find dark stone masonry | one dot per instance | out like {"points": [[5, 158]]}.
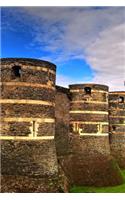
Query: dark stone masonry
{"points": [[117, 126], [28, 126], [90, 161], [62, 120], [54, 137]]}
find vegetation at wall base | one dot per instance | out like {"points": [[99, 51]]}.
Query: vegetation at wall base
{"points": [[112, 189]]}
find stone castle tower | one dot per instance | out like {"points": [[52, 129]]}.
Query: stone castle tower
{"points": [[117, 126], [46, 127], [28, 123], [89, 161]]}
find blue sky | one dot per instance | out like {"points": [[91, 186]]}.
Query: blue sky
{"points": [[86, 43]]}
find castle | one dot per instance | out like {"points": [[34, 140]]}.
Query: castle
{"points": [[54, 137]]}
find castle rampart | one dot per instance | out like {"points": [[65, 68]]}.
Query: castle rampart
{"points": [[48, 131]]}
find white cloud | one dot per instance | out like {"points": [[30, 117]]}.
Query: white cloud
{"points": [[107, 57], [63, 80], [96, 35]]}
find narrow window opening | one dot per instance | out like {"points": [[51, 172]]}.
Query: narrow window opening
{"points": [[121, 100], [16, 71], [114, 128], [110, 137], [34, 129], [87, 90]]}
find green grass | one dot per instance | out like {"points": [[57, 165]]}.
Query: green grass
{"points": [[112, 189]]}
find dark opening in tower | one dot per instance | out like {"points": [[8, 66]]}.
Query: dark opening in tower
{"points": [[121, 100], [16, 71], [114, 128], [87, 90]]}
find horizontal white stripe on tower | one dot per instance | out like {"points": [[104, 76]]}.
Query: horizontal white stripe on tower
{"points": [[94, 134], [82, 90], [90, 112], [93, 102], [117, 93], [26, 138], [111, 116], [81, 122], [27, 119], [25, 84], [118, 124], [27, 101]]}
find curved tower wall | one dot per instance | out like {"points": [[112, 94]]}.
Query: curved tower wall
{"points": [[27, 119], [117, 126], [90, 157], [89, 109]]}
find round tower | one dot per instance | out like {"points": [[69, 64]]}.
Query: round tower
{"points": [[27, 123], [90, 158], [89, 109], [117, 126]]}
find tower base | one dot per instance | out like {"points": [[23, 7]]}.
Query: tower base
{"points": [[117, 143], [90, 162]]}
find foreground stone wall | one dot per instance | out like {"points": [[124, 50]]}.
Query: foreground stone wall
{"points": [[117, 126], [28, 122]]}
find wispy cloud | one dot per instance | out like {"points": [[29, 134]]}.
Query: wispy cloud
{"points": [[96, 35], [107, 57]]}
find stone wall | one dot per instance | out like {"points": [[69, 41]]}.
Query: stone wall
{"points": [[54, 137], [29, 166], [28, 100], [62, 103], [89, 109], [117, 126], [90, 161], [28, 124], [117, 144]]}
